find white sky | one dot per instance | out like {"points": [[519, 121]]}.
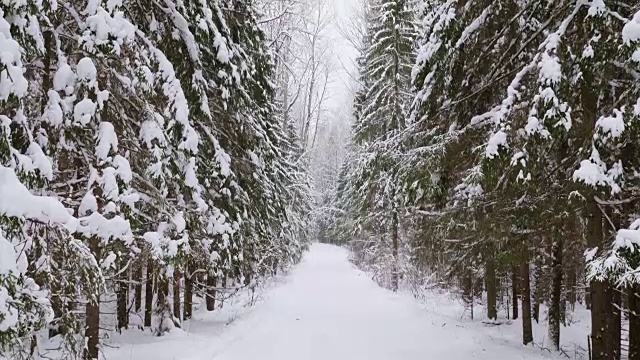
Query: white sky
{"points": [[344, 55]]}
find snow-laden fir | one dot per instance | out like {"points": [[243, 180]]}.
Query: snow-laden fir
{"points": [[162, 163]]}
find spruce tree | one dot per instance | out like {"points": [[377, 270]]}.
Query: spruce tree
{"points": [[381, 113]]}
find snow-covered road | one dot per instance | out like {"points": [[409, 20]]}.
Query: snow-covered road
{"points": [[327, 309]]}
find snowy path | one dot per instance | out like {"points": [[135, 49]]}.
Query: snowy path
{"points": [[327, 309]]}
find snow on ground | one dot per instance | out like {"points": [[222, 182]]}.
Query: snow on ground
{"points": [[326, 309], [449, 306]]}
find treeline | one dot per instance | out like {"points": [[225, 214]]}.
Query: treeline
{"points": [[502, 156], [143, 162]]}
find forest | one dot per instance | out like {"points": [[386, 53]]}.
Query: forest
{"points": [[143, 156], [158, 158]]}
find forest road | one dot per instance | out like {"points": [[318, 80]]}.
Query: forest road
{"points": [[329, 310]]}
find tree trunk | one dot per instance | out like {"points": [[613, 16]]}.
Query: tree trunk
{"points": [[467, 289], [92, 331], [176, 293], [490, 283], [613, 298], [600, 297], [188, 294], [614, 305], [615, 320], [601, 331], [571, 287], [538, 289], [527, 331], [137, 288], [163, 309], [163, 290], [211, 292], [56, 327], [224, 286], [633, 304], [199, 285], [57, 305], [394, 251], [285, 85], [148, 295], [556, 293], [123, 313], [122, 297], [514, 291]]}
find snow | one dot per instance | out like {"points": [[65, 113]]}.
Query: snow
{"points": [[612, 126], [594, 172], [104, 29], [190, 177], [443, 15], [588, 52], [88, 205], [109, 183], [326, 309], [174, 245], [9, 314], [33, 29], [498, 139], [631, 30], [19, 202], [40, 161], [130, 197], [224, 54], [107, 140], [597, 7], [590, 254], [474, 26], [53, 112], [152, 130], [96, 224], [86, 70], [64, 79], [84, 111], [628, 238], [173, 90], [179, 222], [616, 261], [224, 160], [534, 125], [123, 168], [550, 69], [7, 257], [154, 239], [12, 80], [109, 261], [590, 173], [182, 25]]}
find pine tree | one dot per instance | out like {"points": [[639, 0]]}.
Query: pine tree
{"points": [[372, 199]]}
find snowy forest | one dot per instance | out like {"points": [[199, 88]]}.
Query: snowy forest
{"points": [[159, 159], [495, 149]]}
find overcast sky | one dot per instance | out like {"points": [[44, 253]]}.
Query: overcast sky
{"points": [[344, 55]]}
